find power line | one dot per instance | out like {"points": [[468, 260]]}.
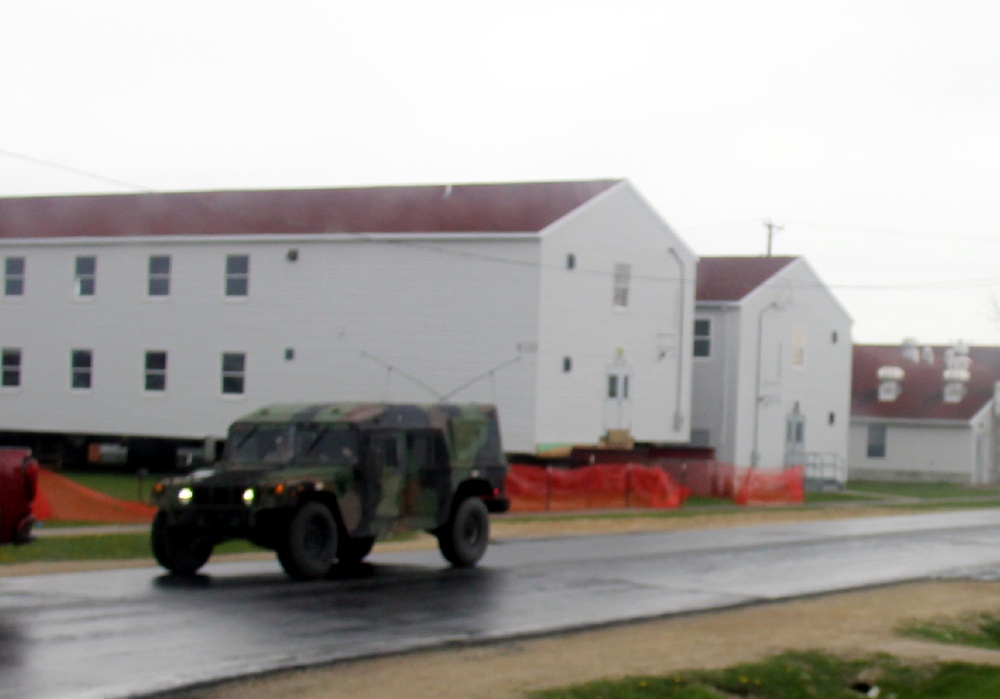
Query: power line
{"points": [[73, 170]]}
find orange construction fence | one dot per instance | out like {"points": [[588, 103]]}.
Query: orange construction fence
{"points": [[596, 487], [770, 487], [608, 486], [61, 498]]}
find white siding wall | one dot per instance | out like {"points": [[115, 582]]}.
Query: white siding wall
{"points": [[441, 311], [756, 338], [920, 452], [579, 322], [714, 383]]}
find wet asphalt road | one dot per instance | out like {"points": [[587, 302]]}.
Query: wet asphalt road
{"points": [[133, 632]]}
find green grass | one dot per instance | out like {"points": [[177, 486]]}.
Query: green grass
{"points": [[923, 491], [96, 547], [801, 675], [981, 630]]}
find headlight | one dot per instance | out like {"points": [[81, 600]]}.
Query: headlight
{"points": [[185, 495], [248, 496]]}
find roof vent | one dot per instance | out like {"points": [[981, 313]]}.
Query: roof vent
{"points": [[956, 374], [955, 381], [890, 379]]}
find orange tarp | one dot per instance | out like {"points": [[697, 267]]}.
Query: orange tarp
{"points": [[61, 498]]}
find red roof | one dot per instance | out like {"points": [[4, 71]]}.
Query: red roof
{"points": [[922, 387], [732, 278], [483, 208]]}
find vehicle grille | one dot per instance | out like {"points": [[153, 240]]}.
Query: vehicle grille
{"points": [[218, 495]]}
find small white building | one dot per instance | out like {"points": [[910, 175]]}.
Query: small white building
{"points": [[165, 316], [925, 413], [772, 366]]}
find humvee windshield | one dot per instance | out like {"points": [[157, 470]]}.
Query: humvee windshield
{"points": [[281, 444]]}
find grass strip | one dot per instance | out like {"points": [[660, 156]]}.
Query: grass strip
{"points": [[797, 675], [980, 630], [96, 547]]}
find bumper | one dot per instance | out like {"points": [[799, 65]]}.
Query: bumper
{"points": [[497, 505], [230, 522]]}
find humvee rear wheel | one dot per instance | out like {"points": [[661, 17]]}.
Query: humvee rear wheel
{"points": [[309, 548], [178, 549], [464, 538]]}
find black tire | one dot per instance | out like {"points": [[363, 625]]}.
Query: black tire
{"points": [[309, 548], [464, 538], [178, 549], [353, 551]]}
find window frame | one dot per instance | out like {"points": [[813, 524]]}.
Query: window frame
{"points": [[701, 339], [237, 281], [154, 378], [877, 439], [621, 289], [78, 370], [800, 340], [81, 288], [233, 377], [14, 281], [10, 368], [156, 278]]}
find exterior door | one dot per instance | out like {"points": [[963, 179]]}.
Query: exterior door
{"points": [[618, 398], [795, 438]]}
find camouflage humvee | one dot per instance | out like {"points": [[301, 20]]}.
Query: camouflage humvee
{"points": [[318, 484]]}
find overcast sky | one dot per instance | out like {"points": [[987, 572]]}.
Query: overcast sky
{"points": [[868, 129]]}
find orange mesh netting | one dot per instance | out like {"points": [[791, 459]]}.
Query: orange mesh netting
{"points": [[61, 498], [596, 487], [767, 487]]}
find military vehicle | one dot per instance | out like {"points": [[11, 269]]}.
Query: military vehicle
{"points": [[318, 484], [18, 487]]}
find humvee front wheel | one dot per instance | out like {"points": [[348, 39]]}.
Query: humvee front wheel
{"points": [[463, 539], [309, 548], [178, 549]]}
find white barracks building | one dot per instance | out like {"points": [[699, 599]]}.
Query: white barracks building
{"points": [[142, 322]]}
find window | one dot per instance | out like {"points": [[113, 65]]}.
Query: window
{"points": [[156, 371], [702, 337], [237, 275], [233, 373], [159, 275], [81, 367], [618, 385], [623, 277], [10, 367], [13, 276], [85, 275], [798, 347], [876, 441]]}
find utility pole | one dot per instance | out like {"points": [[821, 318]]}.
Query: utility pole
{"points": [[771, 229]]}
